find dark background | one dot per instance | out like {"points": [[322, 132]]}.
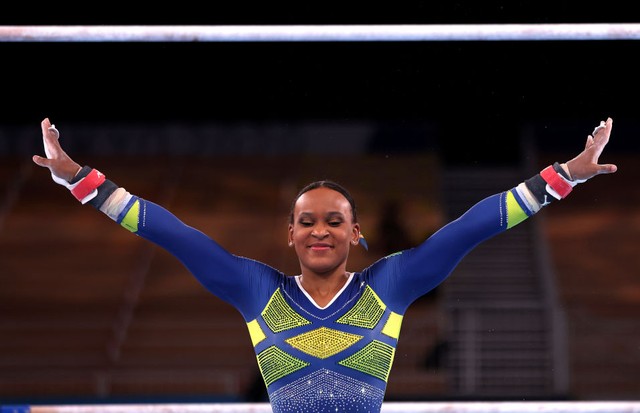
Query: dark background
{"points": [[458, 85]]}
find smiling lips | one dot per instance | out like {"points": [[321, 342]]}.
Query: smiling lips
{"points": [[320, 247]]}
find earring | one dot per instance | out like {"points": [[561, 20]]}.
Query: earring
{"points": [[291, 243], [354, 242]]}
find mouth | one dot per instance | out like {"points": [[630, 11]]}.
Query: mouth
{"points": [[320, 247]]}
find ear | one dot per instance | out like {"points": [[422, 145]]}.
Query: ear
{"points": [[290, 235], [356, 234]]}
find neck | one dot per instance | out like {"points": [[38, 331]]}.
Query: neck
{"points": [[323, 288]]}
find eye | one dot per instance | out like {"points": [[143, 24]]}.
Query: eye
{"points": [[305, 223], [335, 223]]}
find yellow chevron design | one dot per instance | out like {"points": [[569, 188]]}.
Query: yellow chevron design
{"points": [[323, 342]]}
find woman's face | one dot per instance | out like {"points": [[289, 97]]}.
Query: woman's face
{"points": [[323, 231]]}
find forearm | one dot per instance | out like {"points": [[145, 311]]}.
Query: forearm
{"points": [[431, 262], [212, 265]]}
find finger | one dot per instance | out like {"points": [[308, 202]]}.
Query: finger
{"points": [[50, 137], [46, 127], [607, 168], [45, 124], [598, 128], [602, 133], [589, 142], [41, 161], [600, 138], [596, 151]]}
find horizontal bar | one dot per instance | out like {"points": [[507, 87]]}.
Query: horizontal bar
{"points": [[320, 33], [389, 407]]}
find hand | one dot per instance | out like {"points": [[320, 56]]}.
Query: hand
{"points": [[585, 165], [62, 167]]}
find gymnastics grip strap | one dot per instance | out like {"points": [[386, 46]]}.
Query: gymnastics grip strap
{"points": [[87, 188], [90, 185], [552, 183], [556, 182]]}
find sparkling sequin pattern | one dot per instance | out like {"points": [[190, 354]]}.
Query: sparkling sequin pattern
{"points": [[323, 342], [275, 364], [375, 359], [366, 312], [279, 316], [326, 391]]}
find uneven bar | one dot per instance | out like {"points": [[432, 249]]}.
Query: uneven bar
{"points": [[319, 33]]}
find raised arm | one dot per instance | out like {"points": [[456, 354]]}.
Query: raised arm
{"points": [[427, 265], [221, 272]]}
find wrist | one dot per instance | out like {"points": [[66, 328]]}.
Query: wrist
{"points": [[77, 168], [550, 184], [556, 184], [84, 185], [81, 172], [570, 176], [563, 169]]}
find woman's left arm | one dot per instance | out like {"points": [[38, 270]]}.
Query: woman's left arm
{"points": [[422, 268]]}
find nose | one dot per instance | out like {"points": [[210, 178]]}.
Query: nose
{"points": [[319, 231]]}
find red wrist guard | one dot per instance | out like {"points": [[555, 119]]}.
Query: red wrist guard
{"points": [[555, 181], [87, 185]]}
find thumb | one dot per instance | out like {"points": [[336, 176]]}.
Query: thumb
{"points": [[607, 168], [40, 161]]}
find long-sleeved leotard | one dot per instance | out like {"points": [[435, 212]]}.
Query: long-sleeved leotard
{"points": [[336, 358]]}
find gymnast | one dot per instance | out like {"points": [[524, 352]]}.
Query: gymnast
{"points": [[325, 338]]}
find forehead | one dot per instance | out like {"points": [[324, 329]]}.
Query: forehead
{"points": [[322, 200]]}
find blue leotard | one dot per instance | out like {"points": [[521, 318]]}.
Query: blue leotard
{"points": [[336, 358]]}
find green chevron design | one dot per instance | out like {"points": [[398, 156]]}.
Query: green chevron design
{"points": [[275, 364], [374, 359], [279, 315], [366, 313]]}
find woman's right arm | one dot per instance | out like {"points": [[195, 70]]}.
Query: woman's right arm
{"points": [[221, 272]]}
